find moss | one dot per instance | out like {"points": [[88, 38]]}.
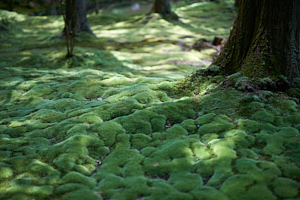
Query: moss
{"points": [[89, 118], [215, 127], [158, 123], [244, 186], [69, 187], [268, 127], [249, 126], [5, 172], [111, 182], [172, 157], [248, 153], [114, 124], [108, 131], [45, 115], [103, 151], [83, 193], [175, 132], [140, 141], [139, 122], [200, 150], [209, 136], [285, 188], [175, 113], [185, 182], [239, 138], [247, 166], [147, 151], [205, 119], [288, 106], [75, 177], [208, 193], [263, 116], [189, 125]]}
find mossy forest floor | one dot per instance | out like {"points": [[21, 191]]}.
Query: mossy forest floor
{"points": [[116, 121]]}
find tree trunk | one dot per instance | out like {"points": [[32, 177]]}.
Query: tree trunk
{"points": [[76, 16], [96, 6], [163, 7], [11, 5], [53, 11], [237, 3], [83, 24], [71, 16], [264, 41]]}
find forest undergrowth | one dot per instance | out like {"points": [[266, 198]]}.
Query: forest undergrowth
{"points": [[124, 118]]}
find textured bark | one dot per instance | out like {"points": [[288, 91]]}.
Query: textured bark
{"points": [[163, 7], [83, 24], [264, 41], [76, 16]]}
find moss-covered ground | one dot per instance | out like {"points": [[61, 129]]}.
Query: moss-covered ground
{"points": [[117, 122]]}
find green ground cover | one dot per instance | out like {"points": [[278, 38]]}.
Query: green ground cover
{"points": [[118, 121]]}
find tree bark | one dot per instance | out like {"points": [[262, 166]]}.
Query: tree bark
{"points": [[76, 16], [237, 3], [11, 5], [53, 11], [163, 7], [264, 41], [96, 6]]}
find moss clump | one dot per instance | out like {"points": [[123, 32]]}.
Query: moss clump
{"points": [[205, 119], [108, 131], [245, 187], [83, 194], [263, 116], [140, 141], [189, 125], [175, 112], [185, 182], [75, 177], [175, 132], [249, 126], [208, 193], [285, 188], [89, 118], [142, 121], [216, 126], [5, 171]]}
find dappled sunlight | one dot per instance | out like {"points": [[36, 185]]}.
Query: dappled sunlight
{"points": [[129, 118]]}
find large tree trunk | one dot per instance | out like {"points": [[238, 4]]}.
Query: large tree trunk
{"points": [[81, 17], [76, 16], [163, 7], [264, 41]]}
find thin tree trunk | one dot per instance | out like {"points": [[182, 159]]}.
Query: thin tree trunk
{"points": [[11, 5], [264, 41], [53, 12], [237, 3], [96, 6]]}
